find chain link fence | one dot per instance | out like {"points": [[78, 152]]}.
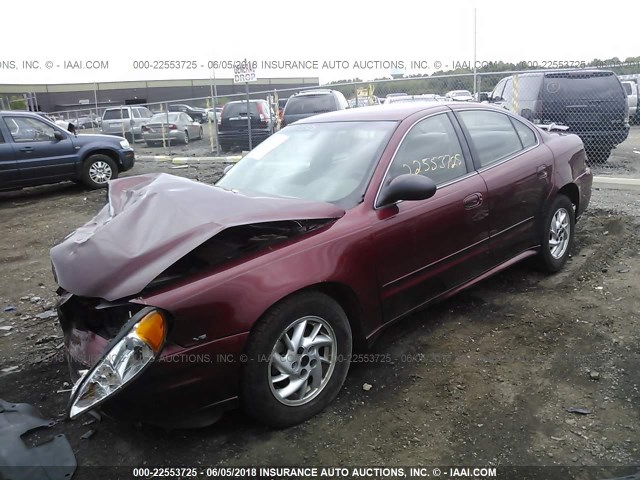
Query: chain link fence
{"points": [[589, 103]]}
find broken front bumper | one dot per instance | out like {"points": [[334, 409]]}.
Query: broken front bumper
{"points": [[186, 381]]}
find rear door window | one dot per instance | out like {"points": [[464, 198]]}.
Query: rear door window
{"points": [[492, 136], [136, 113], [527, 137], [310, 104]]}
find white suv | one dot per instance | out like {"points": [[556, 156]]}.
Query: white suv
{"points": [[125, 121]]}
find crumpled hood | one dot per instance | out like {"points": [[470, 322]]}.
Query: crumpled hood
{"points": [[153, 220]]}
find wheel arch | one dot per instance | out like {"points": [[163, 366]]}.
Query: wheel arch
{"points": [[571, 191], [344, 296]]}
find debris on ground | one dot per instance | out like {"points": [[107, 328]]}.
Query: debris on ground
{"points": [[581, 411], [366, 387]]}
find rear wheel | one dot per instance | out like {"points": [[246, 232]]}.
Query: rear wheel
{"points": [[557, 235], [298, 358], [97, 170], [185, 139]]}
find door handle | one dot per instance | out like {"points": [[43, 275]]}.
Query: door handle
{"points": [[542, 172], [26, 149], [472, 201]]}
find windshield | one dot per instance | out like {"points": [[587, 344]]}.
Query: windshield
{"points": [[330, 162], [162, 118]]}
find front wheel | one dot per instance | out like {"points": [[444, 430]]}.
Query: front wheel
{"points": [[298, 358], [97, 170], [557, 235]]}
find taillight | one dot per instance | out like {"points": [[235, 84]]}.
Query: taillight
{"points": [[145, 128], [263, 117], [173, 126]]}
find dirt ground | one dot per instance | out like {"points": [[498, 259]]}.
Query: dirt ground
{"points": [[485, 378]]}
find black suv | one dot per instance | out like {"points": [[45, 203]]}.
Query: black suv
{"points": [[197, 114], [233, 130], [592, 103], [312, 102], [36, 151]]}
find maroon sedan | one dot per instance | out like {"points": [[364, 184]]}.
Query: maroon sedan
{"points": [[180, 299]]}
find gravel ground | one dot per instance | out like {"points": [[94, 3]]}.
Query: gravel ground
{"points": [[485, 378]]}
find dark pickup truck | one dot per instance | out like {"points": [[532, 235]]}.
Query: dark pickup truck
{"points": [[35, 151]]}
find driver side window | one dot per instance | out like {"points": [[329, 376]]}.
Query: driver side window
{"points": [[25, 129], [431, 148]]}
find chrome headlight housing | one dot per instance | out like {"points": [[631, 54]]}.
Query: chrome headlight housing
{"points": [[136, 346]]}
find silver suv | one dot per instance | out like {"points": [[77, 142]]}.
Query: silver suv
{"points": [[125, 121]]}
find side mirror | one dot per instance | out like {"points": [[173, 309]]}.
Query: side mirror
{"points": [[407, 187], [59, 135], [71, 128]]}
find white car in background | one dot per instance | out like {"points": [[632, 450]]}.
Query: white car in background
{"points": [[631, 89], [459, 96]]}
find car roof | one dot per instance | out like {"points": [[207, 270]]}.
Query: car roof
{"points": [[394, 111], [315, 92], [19, 112]]}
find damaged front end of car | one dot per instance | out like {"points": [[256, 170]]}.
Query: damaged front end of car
{"points": [[157, 234], [125, 357]]}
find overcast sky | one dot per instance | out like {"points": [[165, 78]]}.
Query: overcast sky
{"points": [[122, 32]]}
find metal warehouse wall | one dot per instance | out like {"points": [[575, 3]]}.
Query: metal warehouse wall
{"points": [[52, 98]]}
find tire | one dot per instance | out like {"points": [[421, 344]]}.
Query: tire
{"points": [[152, 144], [552, 258], [271, 401], [97, 170], [200, 132], [185, 140], [129, 137]]}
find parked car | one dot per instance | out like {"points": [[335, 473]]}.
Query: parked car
{"points": [[35, 151], [459, 96], [125, 121], [233, 130], [397, 94], [171, 127], [592, 103], [256, 290], [631, 89], [87, 122], [312, 102], [213, 114], [198, 114]]}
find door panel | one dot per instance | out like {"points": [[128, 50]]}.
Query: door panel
{"points": [[428, 247], [38, 153], [517, 171], [8, 164]]}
